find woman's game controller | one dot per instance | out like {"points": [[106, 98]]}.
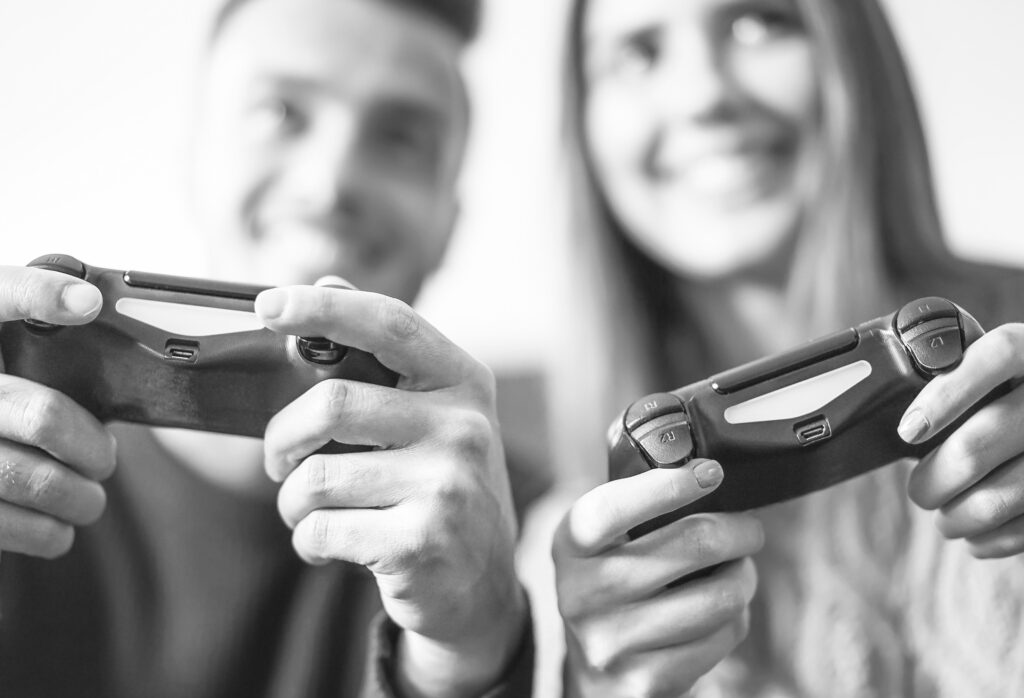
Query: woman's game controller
{"points": [[800, 421], [177, 352]]}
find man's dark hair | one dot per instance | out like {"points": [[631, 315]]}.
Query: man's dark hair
{"points": [[463, 16]]}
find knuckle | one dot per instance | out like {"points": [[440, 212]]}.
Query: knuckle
{"points": [[317, 535], [318, 479], [22, 294], [990, 507], [945, 392], [1005, 344], [10, 479], [416, 548], [674, 489], [40, 415], [480, 384], [728, 599], [322, 301], [972, 447], [704, 538], [400, 320], [472, 436], [449, 491], [337, 398], [42, 485]]}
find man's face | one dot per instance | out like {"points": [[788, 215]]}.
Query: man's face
{"points": [[329, 143]]}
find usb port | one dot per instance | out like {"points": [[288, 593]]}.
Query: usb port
{"points": [[813, 430], [181, 350]]}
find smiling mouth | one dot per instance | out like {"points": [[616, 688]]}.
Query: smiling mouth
{"points": [[731, 176]]}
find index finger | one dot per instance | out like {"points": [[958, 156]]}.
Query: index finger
{"points": [[385, 327], [988, 363], [38, 416], [50, 296], [603, 517]]}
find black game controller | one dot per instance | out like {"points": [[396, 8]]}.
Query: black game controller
{"points": [[177, 352], [800, 421]]}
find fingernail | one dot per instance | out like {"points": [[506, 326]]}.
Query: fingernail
{"points": [[82, 299], [270, 303], [334, 282], [913, 426], [709, 474]]}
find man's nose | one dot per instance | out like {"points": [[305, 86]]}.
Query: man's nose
{"points": [[696, 83], [323, 171]]}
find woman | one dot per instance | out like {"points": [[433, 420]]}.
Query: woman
{"points": [[751, 174]]}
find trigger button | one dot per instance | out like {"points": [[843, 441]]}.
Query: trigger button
{"points": [[666, 441], [923, 310], [928, 327], [64, 263], [938, 349], [651, 407]]}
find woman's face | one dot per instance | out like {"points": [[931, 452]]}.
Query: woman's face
{"points": [[697, 114]]}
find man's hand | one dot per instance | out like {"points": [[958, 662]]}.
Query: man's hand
{"points": [[53, 453], [429, 512], [975, 478], [629, 630]]}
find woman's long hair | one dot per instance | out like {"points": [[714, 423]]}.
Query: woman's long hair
{"points": [[866, 620]]}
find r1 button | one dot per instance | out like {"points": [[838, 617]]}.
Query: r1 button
{"points": [[651, 407], [64, 263]]}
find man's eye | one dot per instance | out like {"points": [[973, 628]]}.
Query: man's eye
{"points": [[637, 55], [405, 140], [401, 137], [274, 116], [758, 27]]}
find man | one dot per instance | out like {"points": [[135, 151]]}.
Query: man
{"points": [[330, 140]]}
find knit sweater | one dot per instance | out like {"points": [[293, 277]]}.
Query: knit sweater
{"points": [[860, 596]]}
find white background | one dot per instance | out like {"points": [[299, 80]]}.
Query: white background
{"points": [[95, 101]]}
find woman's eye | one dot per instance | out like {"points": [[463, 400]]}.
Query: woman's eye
{"points": [[637, 55], [757, 27]]}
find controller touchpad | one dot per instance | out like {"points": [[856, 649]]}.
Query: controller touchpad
{"points": [[191, 320]]}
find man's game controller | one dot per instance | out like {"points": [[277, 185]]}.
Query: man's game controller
{"points": [[800, 421], [177, 352]]}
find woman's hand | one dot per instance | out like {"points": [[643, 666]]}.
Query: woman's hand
{"points": [[975, 478], [629, 633]]}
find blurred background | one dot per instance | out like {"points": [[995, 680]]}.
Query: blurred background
{"points": [[96, 100]]}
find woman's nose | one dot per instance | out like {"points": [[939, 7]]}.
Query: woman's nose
{"points": [[695, 84]]}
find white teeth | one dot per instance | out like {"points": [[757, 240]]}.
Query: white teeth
{"points": [[725, 173]]}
